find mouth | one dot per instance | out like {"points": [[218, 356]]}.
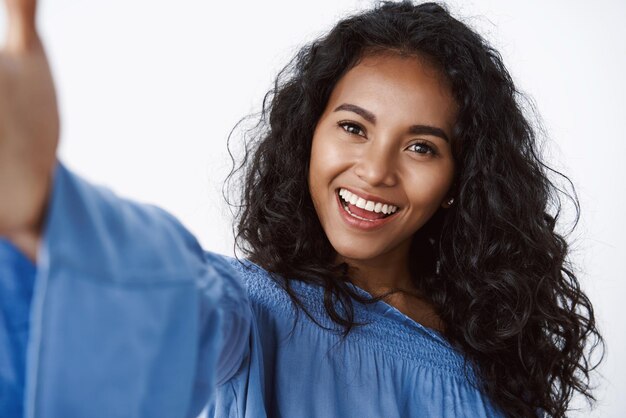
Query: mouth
{"points": [[364, 213]]}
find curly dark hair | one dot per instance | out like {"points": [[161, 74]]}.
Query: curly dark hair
{"points": [[493, 265]]}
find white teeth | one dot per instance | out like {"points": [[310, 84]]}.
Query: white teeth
{"points": [[368, 205]]}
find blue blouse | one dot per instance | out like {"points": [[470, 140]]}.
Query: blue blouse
{"points": [[17, 278], [129, 317]]}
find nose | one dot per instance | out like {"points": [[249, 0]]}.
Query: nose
{"points": [[377, 166]]}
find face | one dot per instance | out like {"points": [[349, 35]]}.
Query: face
{"points": [[381, 161]]}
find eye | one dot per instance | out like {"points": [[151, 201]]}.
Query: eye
{"points": [[352, 128], [422, 148]]}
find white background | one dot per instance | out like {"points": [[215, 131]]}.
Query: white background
{"points": [[150, 89]]}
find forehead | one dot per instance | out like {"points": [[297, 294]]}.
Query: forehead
{"points": [[403, 89]]}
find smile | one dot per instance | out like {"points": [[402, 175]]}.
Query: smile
{"points": [[362, 213], [371, 206]]}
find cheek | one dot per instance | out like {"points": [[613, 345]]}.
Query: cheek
{"points": [[428, 186], [328, 160]]}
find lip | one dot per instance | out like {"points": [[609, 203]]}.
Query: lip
{"points": [[358, 223], [368, 196]]}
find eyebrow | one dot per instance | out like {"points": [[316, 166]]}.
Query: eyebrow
{"points": [[413, 129]]}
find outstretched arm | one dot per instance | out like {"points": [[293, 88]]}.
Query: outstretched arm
{"points": [[29, 129]]}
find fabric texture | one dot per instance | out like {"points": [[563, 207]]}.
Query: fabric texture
{"points": [[17, 279], [130, 317]]}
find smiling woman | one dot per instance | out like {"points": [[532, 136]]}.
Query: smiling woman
{"points": [[392, 191], [372, 186], [399, 140], [385, 99]]}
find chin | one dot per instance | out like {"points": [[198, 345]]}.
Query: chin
{"points": [[353, 252]]}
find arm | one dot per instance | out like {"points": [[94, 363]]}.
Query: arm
{"points": [[128, 317], [29, 129], [128, 310]]}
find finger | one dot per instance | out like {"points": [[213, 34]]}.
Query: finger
{"points": [[21, 27]]}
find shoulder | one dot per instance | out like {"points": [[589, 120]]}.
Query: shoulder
{"points": [[261, 285], [272, 304], [267, 295]]}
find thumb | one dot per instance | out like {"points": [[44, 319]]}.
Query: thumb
{"points": [[21, 27]]}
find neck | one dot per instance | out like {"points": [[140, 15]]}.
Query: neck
{"points": [[381, 274], [390, 271]]}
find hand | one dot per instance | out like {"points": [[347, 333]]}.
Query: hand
{"points": [[29, 128]]}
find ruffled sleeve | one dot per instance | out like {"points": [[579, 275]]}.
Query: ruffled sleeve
{"points": [[129, 317]]}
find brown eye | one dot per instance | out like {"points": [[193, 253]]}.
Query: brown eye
{"points": [[352, 128], [422, 148]]}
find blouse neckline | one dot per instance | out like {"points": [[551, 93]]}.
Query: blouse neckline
{"points": [[387, 310]]}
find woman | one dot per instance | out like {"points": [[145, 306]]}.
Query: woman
{"points": [[392, 160]]}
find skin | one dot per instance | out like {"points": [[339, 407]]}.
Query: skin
{"points": [[29, 129], [384, 159]]}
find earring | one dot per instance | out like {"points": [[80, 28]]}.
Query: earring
{"points": [[451, 201]]}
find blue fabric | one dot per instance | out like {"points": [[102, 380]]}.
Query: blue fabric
{"points": [[393, 367], [131, 318], [17, 278]]}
